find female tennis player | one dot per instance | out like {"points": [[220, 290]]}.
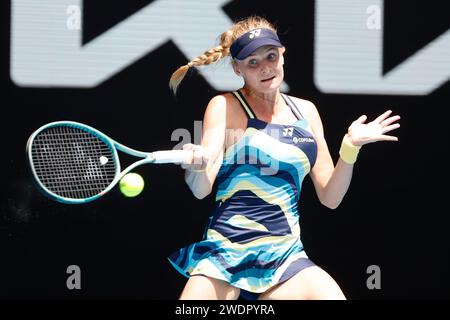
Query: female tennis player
{"points": [[258, 145]]}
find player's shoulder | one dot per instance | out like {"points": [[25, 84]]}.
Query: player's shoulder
{"points": [[221, 100], [221, 106], [226, 98], [216, 104], [307, 107], [226, 107], [224, 102]]}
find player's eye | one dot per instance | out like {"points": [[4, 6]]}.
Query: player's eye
{"points": [[272, 56], [253, 62]]}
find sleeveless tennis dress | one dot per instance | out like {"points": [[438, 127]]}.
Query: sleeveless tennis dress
{"points": [[252, 239]]}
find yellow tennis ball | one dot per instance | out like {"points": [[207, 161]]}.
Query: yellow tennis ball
{"points": [[131, 184]]}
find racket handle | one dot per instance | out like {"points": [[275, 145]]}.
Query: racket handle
{"points": [[171, 156]]}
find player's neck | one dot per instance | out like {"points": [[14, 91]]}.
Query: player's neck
{"points": [[269, 102]]}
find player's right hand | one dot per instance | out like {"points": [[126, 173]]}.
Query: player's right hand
{"points": [[199, 160]]}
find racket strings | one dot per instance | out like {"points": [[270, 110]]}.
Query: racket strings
{"points": [[72, 163]]}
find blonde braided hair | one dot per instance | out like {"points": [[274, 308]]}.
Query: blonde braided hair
{"points": [[222, 50]]}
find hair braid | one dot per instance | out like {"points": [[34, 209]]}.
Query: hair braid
{"points": [[220, 51]]}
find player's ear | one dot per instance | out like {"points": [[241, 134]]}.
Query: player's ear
{"points": [[282, 51], [236, 68]]}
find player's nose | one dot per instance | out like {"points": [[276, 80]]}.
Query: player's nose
{"points": [[265, 70]]}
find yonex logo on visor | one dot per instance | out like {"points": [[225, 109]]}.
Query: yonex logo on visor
{"points": [[254, 33], [252, 40]]}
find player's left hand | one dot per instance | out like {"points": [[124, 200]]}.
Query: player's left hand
{"points": [[360, 133]]}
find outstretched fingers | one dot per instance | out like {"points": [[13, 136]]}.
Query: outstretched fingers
{"points": [[390, 120], [383, 116], [361, 119], [390, 128], [386, 138]]}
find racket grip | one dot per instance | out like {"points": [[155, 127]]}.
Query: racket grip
{"points": [[171, 156]]}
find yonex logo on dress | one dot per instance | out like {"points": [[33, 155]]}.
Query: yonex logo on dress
{"points": [[288, 132], [254, 33]]}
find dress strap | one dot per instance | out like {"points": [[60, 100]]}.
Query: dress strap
{"points": [[293, 106], [244, 104]]}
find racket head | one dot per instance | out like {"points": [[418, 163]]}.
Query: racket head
{"points": [[71, 162]]}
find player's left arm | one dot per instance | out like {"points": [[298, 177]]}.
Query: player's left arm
{"points": [[332, 182]]}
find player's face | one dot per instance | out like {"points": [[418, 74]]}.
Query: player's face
{"points": [[263, 69]]}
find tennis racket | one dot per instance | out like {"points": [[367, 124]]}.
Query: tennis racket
{"points": [[74, 163]]}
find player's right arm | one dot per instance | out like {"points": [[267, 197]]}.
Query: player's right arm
{"points": [[202, 168]]}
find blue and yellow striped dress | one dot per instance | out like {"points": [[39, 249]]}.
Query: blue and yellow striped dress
{"points": [[252, 239]]}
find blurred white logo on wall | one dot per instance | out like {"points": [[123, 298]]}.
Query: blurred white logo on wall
{"points": [[348, 55], [47, 49]]}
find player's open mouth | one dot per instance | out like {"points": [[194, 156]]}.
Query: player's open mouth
{"points": [[268, 79]]}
